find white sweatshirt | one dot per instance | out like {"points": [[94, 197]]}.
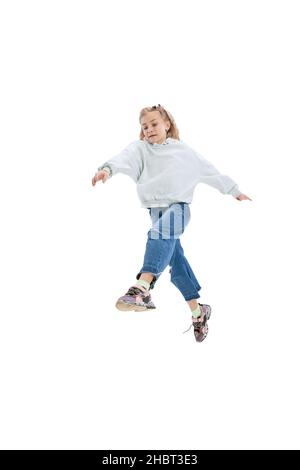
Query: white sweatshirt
{"points": [[167, 173]]}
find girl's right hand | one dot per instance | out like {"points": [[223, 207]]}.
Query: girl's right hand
{"points": [[100, 175], [243, 197]]}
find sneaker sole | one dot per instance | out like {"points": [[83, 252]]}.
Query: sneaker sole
{"points": [[127, 307]]}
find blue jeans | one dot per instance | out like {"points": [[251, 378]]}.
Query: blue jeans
{"points": [[163, 248]]}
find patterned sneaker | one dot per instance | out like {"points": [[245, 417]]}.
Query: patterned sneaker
{"points": [[136, 298], [200, 323]]}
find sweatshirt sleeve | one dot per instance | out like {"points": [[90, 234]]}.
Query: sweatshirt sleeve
{"points": [[128, 161], [208, 174]]}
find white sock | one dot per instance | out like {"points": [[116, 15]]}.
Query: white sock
{"points": [[143, 283], [197, 312]]}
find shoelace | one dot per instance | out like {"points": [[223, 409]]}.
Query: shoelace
{"points": [[203, 323], [188, 329]]}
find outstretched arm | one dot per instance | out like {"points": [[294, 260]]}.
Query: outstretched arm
{"points": [[128, 162], [211, 176]]}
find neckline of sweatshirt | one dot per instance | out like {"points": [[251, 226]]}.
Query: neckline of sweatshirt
{"points": [[166, 142]]}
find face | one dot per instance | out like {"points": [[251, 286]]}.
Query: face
{"points": [[154, 127]]}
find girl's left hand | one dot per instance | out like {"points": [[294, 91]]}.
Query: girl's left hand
{"points": [[242, 197]]}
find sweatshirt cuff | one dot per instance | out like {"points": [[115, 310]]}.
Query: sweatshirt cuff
{"points": [[235, 192], [106, 168]]}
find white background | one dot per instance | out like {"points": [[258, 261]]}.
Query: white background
{"points": [[76, 373]]}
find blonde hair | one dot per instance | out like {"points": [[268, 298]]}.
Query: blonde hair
{"points": [[166, 115]]}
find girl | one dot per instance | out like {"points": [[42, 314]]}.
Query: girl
{"points": [[166, 171]]}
